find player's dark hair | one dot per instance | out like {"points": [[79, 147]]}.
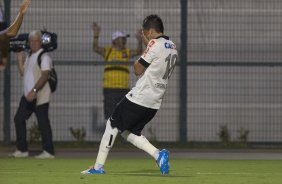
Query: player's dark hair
{"points": [[154, 22]]}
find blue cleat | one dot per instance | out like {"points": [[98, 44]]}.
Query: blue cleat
{"points": [[162, 161], [93, 171]]}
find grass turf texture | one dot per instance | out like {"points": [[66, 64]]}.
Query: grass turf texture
{"points": [[128, 171]]}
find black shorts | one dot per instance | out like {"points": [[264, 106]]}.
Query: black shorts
{"points": [[132, 117]]}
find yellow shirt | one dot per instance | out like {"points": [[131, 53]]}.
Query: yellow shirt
{"points": [[116, 75]]}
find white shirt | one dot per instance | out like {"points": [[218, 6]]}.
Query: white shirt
{"points": [[30, 67], [160, 58]]}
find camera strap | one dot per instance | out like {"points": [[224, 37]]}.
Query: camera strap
{"points": [[52, 78]]}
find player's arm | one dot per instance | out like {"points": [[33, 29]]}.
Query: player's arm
{"points": [[96, 31], [14, 28], [140, 66], [146, 59], [138, 50]]}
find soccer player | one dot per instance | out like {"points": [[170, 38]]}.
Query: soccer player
{"points": [[141, 104]]}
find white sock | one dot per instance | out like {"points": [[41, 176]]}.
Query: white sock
{"points": [[142, 143], [106, 144]]}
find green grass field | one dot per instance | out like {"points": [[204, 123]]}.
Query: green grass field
{"points": [[134, 171]]}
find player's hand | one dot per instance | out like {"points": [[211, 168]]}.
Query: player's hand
{"points": [[138, 35], [24, 6], [96, 28], [144, 39]]}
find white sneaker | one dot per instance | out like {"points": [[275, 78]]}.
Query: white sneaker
{"points": [[19, 154], [45, 155]]}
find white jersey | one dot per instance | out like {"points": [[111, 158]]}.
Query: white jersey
{"points": [[160, 58]]}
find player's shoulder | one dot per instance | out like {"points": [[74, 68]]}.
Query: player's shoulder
{"points": [[155, 43]]}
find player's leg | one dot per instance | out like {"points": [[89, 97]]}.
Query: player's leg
{"points": [[134, 122], [107, 140], [161, 157], [106, 144], [141, 142]]}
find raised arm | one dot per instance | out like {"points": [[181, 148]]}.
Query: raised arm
{"points": [[96, 31], [14, 28]]}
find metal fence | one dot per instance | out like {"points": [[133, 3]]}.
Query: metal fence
{"points": [[233, 67]]}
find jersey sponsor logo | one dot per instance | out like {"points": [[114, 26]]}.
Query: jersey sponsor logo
{"points": [[169, 45], [151, 43]]}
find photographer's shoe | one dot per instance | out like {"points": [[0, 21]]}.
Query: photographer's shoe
{"points": [[19, 154], [45, 155]]}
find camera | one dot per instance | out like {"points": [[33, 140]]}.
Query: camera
{"points": [[20, 43]]}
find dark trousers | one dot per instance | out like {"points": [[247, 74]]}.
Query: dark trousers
{"points": [[111, 98], [23, 113]]}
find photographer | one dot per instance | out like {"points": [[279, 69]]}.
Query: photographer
{"points": [[9, 32], [36, 98]]}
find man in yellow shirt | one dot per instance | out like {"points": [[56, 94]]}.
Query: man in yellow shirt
{"points": [[116, 76]]}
